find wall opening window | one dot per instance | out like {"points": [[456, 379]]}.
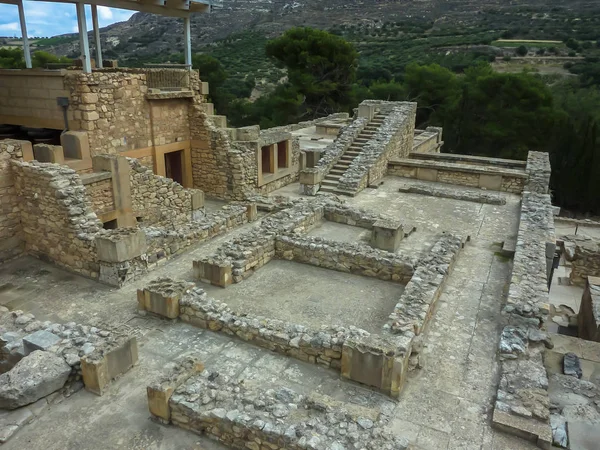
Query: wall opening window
{"points": [[110, 224], [267, 159], [282, 154]]}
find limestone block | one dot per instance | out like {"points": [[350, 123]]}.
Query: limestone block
{"points": [[310, 177], [492, 182], [427, 174], [120, 247], [387, 234], [219, 121], [197, 199], [377, 361], [160, 392], [204, 87], [250, 133], [103, 365], [312, 157], [252, 212], [40, 340], [75, 144], [27, 149], [162, 297], [524, 427], [366, 111], [213, 273], [89, 97], [48, 153]]}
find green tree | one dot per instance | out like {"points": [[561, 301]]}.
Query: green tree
{"points": [[42, 59], [521, 50], [11, 58], [213, 72], [320, 66]]}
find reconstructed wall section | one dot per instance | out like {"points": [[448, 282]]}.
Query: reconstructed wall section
{"points": [[11, 237]]}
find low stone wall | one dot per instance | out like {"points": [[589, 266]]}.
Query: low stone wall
{"points": [[345, 257], [498, 179], [11, 239], [248, 416], [469, 160], [428, 141], [454, 193], [157, 199], [393, 139], [522, 404]]}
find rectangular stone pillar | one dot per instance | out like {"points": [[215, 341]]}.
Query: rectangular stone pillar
{"points": [[49, 153], [75, 144], [160, 391], [219, 274], [378, 361], [162, 297], [387, 234], [121, 245], [119, 167], [103, 365], [252, 212], [366, 111]]}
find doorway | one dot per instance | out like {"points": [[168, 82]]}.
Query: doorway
{"points": [[174, 166]]}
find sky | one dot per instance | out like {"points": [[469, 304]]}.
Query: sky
{"points": [[49, 19]]}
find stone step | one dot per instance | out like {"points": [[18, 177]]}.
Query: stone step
{"points": [[335, 171], [342, 165], [326, 182], [333, 176], [347, 158], [352, 153], [360, 140]]}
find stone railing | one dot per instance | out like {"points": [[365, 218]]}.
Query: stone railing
{"points": [[393, 138]]}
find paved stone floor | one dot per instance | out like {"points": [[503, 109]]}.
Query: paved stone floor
{"points": [[308, 295], [445, 405]]}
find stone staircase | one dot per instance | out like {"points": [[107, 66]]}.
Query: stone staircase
{"points": [[331, 180]]}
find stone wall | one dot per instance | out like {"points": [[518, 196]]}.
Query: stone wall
{"points": [[393, 139], [56, 216], [101, 195], [11, 238], [28, 97], [461, 174], [248, 416], [157, 199], [113, 106], [588, 319], [583, 252], [428, 141], [522, 405]]}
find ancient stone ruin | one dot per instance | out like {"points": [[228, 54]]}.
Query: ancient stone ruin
{"points": [[334, 284]]}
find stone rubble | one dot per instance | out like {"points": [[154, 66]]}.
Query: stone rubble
{"points": [[243, 415]]}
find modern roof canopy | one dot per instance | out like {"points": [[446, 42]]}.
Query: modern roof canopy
{"points": [[173, 8]]}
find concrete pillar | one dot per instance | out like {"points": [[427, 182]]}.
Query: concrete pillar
{"points": [[97, 36], [84, 45], [187, 41], [119, 167], [26, 50]]}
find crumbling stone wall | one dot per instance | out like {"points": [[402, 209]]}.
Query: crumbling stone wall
{"points": [[11, 238], [158, 199], [100, 194], [393, 139], [56, 215], [583, 252]]}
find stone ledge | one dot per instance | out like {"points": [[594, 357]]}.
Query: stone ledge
{"points": [[528, 429], [456, 167], [451, 157], [156, 94]]}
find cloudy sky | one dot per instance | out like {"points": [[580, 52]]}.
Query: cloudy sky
{"points": [[49, 19]]}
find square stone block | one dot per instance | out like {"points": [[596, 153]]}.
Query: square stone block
{"points": [[75, 144], [312, 157], [252, 212], [377, 361], [103, 365], [492, 182], [427, 174], [162, 297], [121, 246], [197, 199], [213, 273], [48, 153], [40, 340], [527, 428], [160, 392], [310, 177], [387, 234]]}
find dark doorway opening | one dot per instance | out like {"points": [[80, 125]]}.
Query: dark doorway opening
{"points": [[174, 166], [110, 225]]}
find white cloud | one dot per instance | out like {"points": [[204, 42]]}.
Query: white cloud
{"points": [[105, 13], [12, 26]]}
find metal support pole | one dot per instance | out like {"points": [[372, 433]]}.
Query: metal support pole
{"points": [[84, 45], [97, 36], [26, 50], [187, 37]]}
